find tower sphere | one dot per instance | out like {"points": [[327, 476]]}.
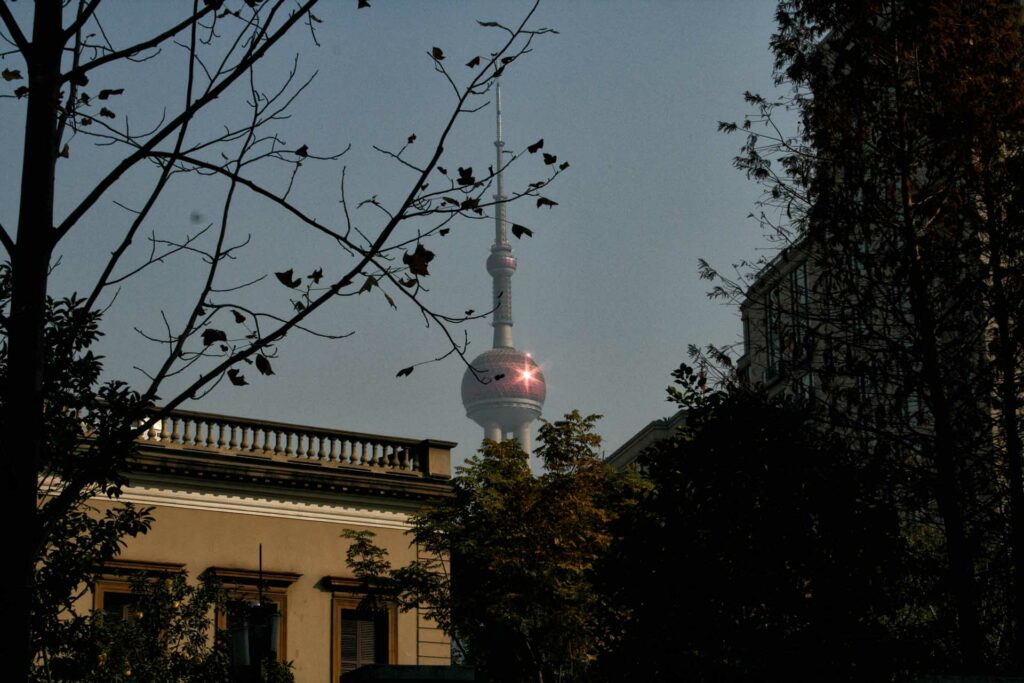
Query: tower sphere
{"points": [[521, 388]]}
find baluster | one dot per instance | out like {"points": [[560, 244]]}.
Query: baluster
{"points": [[225, 435], [236, 434], [248, 438], [202, 433], [292, 441], [274, 438], [358, 448], [378, 454], [403, 458], [177, 431], [336, 446], [346, 452], [325, 447], [259, 440]]}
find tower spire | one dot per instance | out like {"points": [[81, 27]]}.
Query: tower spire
{"points": [[501, 264], [500, 233]]}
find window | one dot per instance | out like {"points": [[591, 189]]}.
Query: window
{"points": [[803, 386], [359, 636], [773, 337], [800, 298], [112, 592], [364, 638], [254, 628], [256, 615], [114, 599]]}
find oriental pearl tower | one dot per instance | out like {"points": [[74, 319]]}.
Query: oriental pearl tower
{"points": [[506, 393]]}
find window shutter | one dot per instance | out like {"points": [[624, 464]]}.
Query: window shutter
{"points": [[364, 639]]}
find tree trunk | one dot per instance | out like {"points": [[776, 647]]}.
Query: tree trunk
{"points": [[22, 427], [1005, 349], [948, 493]]}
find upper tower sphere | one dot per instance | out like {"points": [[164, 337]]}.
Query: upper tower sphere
{"points": [[522, 384], [501, 261]]}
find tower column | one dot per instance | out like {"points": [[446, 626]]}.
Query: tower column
{"points": [[492, 431], [522, 434]]}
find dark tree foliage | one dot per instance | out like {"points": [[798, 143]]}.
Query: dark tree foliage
{"points": [[764, 551], [904, 189], [164, 636], [524, 551], [83, 457]]}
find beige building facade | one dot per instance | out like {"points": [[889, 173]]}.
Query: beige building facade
{"points": [[228, 492]]}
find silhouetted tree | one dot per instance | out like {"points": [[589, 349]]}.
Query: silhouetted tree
{"points": [[902, 189], [54, 50], [166, 633], [523, 551], [765, 550]]}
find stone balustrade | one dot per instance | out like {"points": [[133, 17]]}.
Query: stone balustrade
{"points": [[226, 435]]}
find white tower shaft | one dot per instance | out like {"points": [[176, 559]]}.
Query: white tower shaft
{"points": [[501, 264]]}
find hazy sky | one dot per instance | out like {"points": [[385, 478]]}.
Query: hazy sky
{"points": [[606, 295]]}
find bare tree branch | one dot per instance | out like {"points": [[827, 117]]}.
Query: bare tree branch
{"points": [[186, 115], [115, 55], [16, 35]]}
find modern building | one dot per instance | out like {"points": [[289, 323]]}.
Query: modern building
{"points": [[776, 314], [503, 389], [262, 505], [657, 430]]}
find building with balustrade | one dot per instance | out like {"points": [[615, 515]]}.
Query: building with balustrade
{"points": [[262, 505]]}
